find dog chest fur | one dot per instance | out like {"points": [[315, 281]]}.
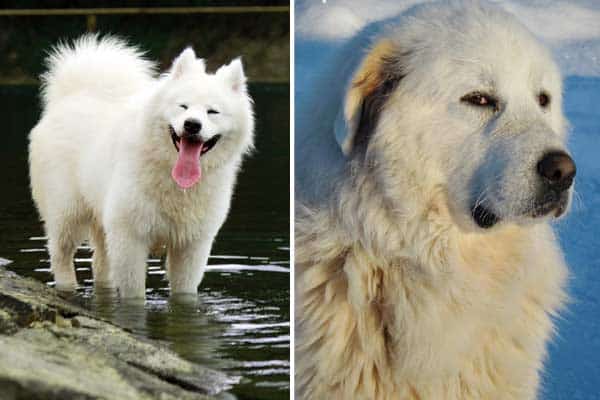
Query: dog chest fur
{"points": [[476, 328]]}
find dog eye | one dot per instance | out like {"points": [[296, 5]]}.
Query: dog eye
{"points": [[480, 100], [212, 111], [184, 106], [543, 99]]}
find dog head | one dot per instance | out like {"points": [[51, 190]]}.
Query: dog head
{"points": [[206, 115], [464, 99]]}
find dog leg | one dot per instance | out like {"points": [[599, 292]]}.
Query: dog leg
{"points": [[185, 267], [63, 238], [127, 256], [103, 274]]}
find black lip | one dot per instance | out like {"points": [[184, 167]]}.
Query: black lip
{"points": [[559, 207], [542, 209], [484, 217], [208, 145], [551, 201], [176, 139]]}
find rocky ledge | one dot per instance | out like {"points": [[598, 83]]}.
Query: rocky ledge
{"points": [[52, 349]]}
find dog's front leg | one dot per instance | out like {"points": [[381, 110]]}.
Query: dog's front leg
{"points": [[185, 266], [127, 254]]}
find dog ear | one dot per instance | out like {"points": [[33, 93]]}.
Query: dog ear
{"points": [[233, 74], [185, 61], [371, 85]]}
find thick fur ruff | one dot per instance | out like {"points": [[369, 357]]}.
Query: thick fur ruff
{"points": [[399, 293], [416, 309]]}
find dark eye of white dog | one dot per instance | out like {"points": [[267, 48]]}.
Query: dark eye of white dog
{"points": [[543, 99], [184, 106], [480, 99], [212, 111]]}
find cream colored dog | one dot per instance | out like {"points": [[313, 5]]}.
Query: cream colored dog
{"points": [[134, 162], [425, 264]]}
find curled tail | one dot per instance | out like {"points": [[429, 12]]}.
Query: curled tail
{"points": [[105, 67]]}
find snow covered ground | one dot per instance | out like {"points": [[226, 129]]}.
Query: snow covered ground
{"points": [[572, 30], [573, 371]]}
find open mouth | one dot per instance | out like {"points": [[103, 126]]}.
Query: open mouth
{"points": [[187, 170], [484, 217], [206, 146]]}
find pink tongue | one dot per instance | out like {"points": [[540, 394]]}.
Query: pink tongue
{"points": [[186, 171]]}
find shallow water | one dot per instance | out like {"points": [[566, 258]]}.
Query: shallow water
{"points": [[240, 321]]}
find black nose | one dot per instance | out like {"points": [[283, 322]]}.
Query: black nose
{"points": [[558, 169], [192, 126]]}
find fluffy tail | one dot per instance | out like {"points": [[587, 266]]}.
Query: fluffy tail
{"points": [[106, 67]]}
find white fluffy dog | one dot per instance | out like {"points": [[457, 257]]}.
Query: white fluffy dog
{"points": [[426, 179], [135, 161]]}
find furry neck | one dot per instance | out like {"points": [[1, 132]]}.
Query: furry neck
{"points": [[421, 232], [385, 232]]}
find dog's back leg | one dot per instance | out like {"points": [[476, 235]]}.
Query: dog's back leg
{"points": [[64, 235], [103, 275]]}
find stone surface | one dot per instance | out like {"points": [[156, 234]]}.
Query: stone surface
{"points": [[53, 349]]}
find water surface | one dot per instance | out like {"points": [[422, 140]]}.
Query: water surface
{"points": [[240, 321]]}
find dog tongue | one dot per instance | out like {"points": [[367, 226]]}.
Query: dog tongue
{"points": [[186, 171]]}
